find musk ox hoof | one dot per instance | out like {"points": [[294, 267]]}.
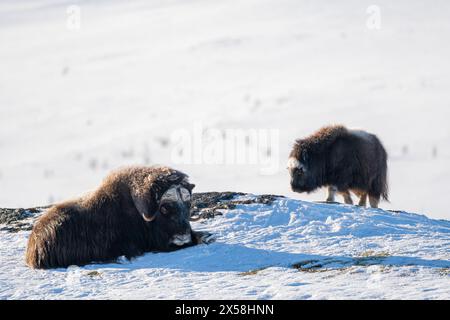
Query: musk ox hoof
{"points": [[204, 237]]}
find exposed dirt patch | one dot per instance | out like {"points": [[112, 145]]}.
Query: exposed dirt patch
{"points": [[253, 272], [310, 266], [444, 272], [208, 205], [94, 274], [374, 254], [14, 220], [366, 259]]}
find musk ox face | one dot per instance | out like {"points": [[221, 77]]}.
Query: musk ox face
{"points": [[302, 174], [174, 214]]}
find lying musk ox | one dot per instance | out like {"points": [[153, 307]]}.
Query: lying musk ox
{"points": [[135, 210], [343, 160]]}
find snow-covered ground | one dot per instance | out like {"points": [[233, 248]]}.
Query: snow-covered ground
{"points": [[339, 251], [76, 103]]}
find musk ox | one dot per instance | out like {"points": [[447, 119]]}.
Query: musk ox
{"points": [[135, 210], [343, 160]]}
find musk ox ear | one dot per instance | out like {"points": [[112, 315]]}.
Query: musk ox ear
{"points": [[186, 184], [145, 205], [190, 186]]}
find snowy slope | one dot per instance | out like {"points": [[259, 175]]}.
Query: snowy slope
{"points": [[74, 104], [289, 249]]}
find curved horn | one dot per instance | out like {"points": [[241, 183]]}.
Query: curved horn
{"points": [[142, 205]]}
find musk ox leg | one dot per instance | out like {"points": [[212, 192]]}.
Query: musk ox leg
{"points": [[374, 201], [347, 197], [331, 193], [362, 199], [199, 237]]}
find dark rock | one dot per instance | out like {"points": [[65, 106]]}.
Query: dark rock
{"points": [[14, 220], [208, 205]]}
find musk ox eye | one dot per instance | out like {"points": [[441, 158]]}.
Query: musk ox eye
{"points": [[170, 209], [299, 171], [164, 210]]}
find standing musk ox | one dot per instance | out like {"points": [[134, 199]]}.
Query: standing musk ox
{"points": [[343, 160], [135, 210]]}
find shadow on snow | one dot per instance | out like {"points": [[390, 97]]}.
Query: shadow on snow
{"points": [[221, 257]]}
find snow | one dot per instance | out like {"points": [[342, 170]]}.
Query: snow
{"points": [[341, 252], [77, 103]]}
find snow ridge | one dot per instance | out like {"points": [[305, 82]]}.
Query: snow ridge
{"points": [[288, 249]]}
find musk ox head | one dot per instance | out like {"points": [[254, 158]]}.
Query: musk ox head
{"points": [[304, 169], [174, 215], [163, 199]]}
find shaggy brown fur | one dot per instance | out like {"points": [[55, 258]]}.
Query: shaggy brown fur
{"points": [[342, 159], [121, 218]]}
